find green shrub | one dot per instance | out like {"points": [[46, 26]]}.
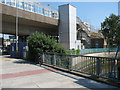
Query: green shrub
{"points": [[68, 52], [78, 51], [39, 42], [73, 52], [73, 49]]}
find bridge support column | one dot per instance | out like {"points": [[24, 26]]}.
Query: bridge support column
{"points": [[67, 26]]}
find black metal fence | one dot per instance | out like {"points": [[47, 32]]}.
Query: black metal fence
{"points": [[98, 66]]}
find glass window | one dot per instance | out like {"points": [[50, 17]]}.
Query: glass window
{"points": [[53, 15], [3, 1], [25, 6], [43, 11], [18, 4], [29, 7], [36, 8], [39, 10], [48, 13], [33, 8], [13, 3], [8, 2], [21, 4]]}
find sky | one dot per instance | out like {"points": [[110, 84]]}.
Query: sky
{"points": [[92, 12]]}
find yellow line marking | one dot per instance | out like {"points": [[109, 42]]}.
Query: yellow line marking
{"points": [[5, 58]]}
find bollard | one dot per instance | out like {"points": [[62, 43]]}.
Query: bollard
{"points": [[54, 60], [43, 58]]}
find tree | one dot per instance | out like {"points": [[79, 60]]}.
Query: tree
{"points": [[111, 30], [41, 43]]}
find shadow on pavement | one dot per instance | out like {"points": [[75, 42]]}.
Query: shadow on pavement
{"points": [[90, 84], [20, 61], [23, 62]]}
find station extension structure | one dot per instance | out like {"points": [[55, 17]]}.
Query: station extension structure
{"points": [[62, 24]]}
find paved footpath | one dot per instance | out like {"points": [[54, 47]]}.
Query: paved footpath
{"points": [[18, 73]]}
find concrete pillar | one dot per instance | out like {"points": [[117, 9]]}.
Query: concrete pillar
{"points": [[67, 26]]}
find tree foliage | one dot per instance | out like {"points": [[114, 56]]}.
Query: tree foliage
{"points": [[111, 30], [39, 42]]}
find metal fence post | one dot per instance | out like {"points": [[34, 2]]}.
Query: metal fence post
{"points": [[70, 62], [98, 67], [54, 60], [43, 58]]}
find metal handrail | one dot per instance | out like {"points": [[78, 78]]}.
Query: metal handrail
{"points": [[92, 65]]}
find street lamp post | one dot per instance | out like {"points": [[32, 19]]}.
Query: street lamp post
{"points": [[16, 28]]}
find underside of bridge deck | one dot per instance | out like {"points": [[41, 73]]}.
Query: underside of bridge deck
{"points": [[28, 22]]}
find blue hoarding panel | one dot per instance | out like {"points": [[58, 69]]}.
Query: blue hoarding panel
{"points": [[21, 46]]}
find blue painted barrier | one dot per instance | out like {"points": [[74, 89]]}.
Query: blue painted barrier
{"points": [[21, 46]]}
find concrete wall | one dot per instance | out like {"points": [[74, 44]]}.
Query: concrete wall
{"points": [[72, 26], [67, 26], [99, 41], [10, 28]]}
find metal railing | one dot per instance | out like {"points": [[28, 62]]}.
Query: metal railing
{"points": [[32, 6], [97, 66], [82, 25]]}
